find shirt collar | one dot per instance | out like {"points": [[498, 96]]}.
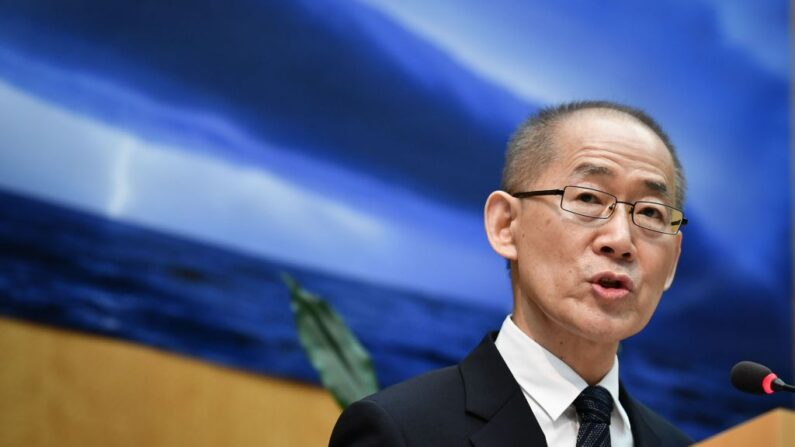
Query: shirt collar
{"points": [[546, 378]]}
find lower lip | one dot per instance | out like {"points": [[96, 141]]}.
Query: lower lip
{"points": [[609, 293]]}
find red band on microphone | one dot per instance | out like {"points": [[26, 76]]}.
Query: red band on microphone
{"points": [[767, 381]]}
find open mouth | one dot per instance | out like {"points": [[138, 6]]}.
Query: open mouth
{"points": [[610, 280], [611, 283]]}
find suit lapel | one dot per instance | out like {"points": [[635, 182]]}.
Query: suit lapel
{"points": [[513, 424], [493, 396], [643, 434]]}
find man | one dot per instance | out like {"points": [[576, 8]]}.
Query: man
{"points": [[588, 218]]}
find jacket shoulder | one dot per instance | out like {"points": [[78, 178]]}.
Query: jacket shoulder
{"points": [[426, 392], [425, 410]]}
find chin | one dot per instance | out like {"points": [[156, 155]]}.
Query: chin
{"points": [[610, 330]]}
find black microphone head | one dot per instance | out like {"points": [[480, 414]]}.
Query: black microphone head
{"points": [[752, 377]]}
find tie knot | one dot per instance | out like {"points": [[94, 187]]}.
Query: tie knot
{"points": [[594, 404]]}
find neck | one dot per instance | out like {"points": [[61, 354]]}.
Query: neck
{"points": [[590, 360]]}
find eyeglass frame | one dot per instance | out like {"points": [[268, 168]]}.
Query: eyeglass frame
{"points": [[560, 192]]}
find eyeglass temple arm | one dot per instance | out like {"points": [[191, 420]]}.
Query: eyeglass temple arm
{"points": [[545, 192]]}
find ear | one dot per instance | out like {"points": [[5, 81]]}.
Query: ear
{"points": [[672, 273], [500, 212]]}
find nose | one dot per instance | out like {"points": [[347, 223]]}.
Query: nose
{"points": [[614, 238]]}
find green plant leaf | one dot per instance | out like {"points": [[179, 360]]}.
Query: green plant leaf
{"points": [[343, 364]]}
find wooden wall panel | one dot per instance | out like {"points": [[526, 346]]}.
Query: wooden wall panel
{"points": [[70, 389]]}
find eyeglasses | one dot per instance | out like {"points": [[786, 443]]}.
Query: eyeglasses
{"points": [[589, 202]]}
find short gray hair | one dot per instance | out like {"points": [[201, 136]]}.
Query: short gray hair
{"points": [[532, 146]]}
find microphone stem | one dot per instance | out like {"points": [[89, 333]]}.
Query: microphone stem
{"points": [[789, 388], [779, 385]]}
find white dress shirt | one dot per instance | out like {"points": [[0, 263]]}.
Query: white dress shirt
{"points": [[550, 387]]}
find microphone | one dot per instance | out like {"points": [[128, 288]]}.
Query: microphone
{"points": [[757, 379]]}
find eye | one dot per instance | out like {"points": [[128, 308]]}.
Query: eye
{"points": [[650, 212], [587, 197]]}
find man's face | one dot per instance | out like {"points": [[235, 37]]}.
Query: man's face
{"points": [[562, 258]]}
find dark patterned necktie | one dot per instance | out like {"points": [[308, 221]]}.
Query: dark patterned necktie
{"points": [[593, 406]]}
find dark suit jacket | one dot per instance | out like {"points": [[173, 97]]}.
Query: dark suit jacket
{"points": [[478, 403]]}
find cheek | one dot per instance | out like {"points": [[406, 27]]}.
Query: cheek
{"points": [[550, 249], [658, 268], [552, 257]]}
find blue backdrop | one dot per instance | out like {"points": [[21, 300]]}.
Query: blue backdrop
{"points": [[161, 163]]}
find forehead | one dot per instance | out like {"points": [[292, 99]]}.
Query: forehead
{"points": [[611, 145]]}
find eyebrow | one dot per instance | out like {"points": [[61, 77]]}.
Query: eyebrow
{"points": [[591, 170]]}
